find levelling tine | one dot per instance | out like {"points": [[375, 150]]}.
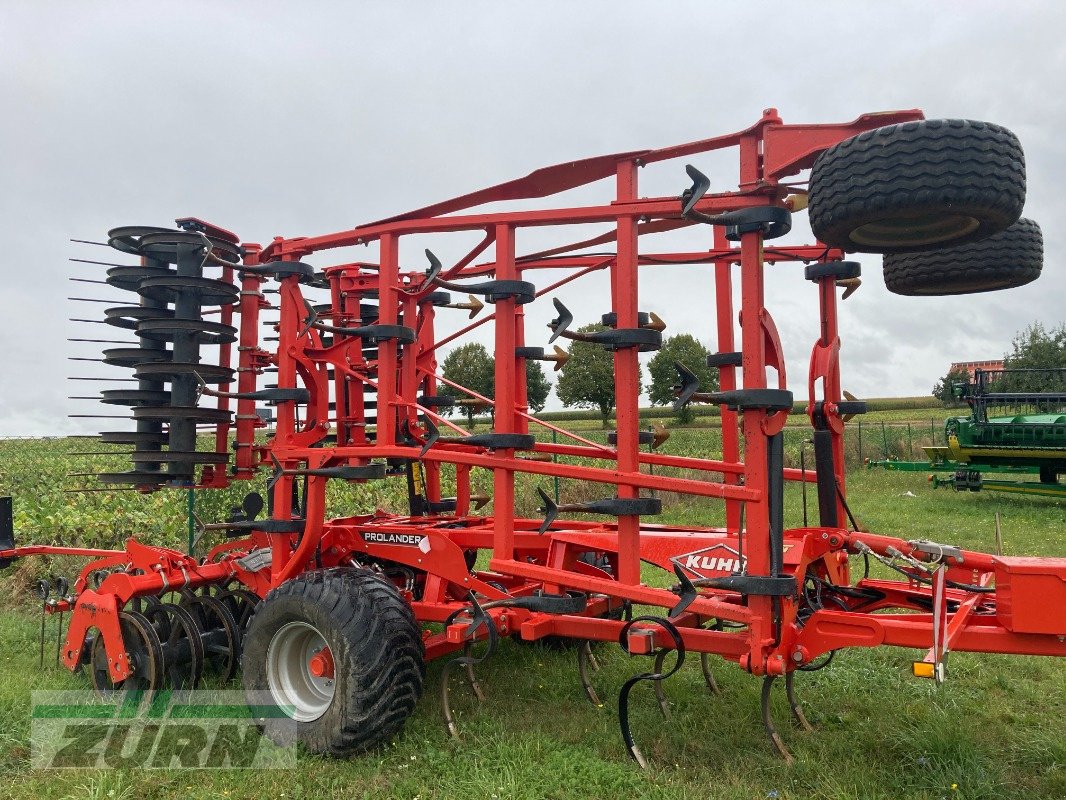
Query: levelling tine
{"points": [[471, 678], [660, 695], [585, 661], [768, 722], [794, 704], [708, 676]]}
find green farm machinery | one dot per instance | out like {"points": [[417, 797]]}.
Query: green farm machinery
{"points": [[1017, 423]]}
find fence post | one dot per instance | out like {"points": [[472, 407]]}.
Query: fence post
{"points": [[910, 443], [860, 440], [932, 431], [884, 438]]}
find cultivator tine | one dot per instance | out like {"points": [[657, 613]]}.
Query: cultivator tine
{"points": [[560, 324], [432, 435], [434, 270], [686, 387], [473, 305], [550, 510], [659, 435], [708, 676], [478, 617], [660, 695], [850, 286], [587, 661], [794, 703], [700, 184], [480, 501], [768, 722], [656, 677]]}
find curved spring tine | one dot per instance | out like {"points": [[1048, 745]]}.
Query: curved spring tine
{"points": [[708, 676], [445, 702], [767, 720], [471, 678], [660, 695], [445, 693], [794, 704], [585, 661]]}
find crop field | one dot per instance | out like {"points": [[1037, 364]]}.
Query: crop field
{"points": [[997, 728]]}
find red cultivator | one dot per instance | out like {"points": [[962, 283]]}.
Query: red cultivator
{"points": [[337, 616]]}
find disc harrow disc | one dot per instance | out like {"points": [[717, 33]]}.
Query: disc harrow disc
{"points": [[188, 456], [128, 278], [182, 643], [130, 316], [219, 633], [190, 413], [133, 397], [145, 654], [133, 356], [133, 437], [167, 370], [241, 603], [164, 329], [208, 291], [134, 477]]}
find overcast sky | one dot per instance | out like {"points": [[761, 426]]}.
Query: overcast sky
{"points": [[304, 118]]}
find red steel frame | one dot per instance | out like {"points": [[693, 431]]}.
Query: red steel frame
{"points": [[765, 640]]}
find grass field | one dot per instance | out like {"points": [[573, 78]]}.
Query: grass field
{"points": [[996, 729]]}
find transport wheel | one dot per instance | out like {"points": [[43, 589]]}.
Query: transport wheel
{"points": [[145, 654], [917, 186], [339, 651], [1004, 260]]}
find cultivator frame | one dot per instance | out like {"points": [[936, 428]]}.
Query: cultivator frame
{"points": [[358, 397]]}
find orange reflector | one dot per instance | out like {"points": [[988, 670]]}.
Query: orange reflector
{"points": [[923, 669]]}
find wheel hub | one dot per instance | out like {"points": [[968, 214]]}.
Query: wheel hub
{"points": [[300, 671]]}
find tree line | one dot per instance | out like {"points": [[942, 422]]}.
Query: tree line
{"points": [[586, 380]]}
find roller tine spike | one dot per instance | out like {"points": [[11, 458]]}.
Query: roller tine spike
{"points": [[768, 722], [550, 509], [794, 704], [87, 280], [584, 662], [433, 272], [708, 676], [660, 694], [560, 323]]}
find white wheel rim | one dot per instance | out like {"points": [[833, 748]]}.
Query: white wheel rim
{"points": [[301, 694]]}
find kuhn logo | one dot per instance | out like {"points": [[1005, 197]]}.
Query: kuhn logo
{"points": [[718, 559]]}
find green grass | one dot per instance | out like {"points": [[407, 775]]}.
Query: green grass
{"points": [[997, 728]]}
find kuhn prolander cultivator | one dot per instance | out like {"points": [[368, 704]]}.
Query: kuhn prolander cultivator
{"points": [[336, 617]]}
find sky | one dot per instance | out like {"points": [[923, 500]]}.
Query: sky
{"points": [[270, 118]]}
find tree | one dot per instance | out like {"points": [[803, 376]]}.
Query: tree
{"points": [[587, 379], [537, 386], [945, 388], [1036, 348], [686, 349], [470, 366]]}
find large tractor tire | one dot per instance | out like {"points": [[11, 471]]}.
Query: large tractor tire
{"points": [[1004, 260], [340, 652], [917, 186]]}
